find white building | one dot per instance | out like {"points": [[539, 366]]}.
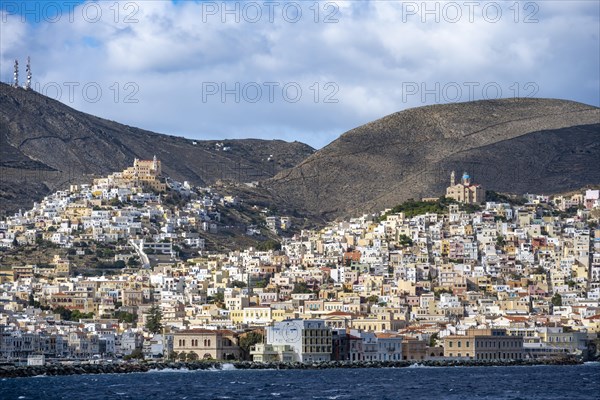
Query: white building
{"points": [[309, 339]]}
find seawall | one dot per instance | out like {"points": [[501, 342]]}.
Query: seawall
{"points": [[8, 371]]}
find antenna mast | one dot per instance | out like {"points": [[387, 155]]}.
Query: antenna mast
{"points": [[16, 75], [28, 84]]}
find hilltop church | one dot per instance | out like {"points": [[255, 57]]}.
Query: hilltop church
{"points": [[465, 191]]}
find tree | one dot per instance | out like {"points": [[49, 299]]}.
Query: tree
{"points": [[500, 242], [124, 316], [433, 339], [217, 298], [133, 262], [238, 284], [373, 299], [405, 241], [135, 354], [248, 340], [153, 322], [557, 300], [261, 283], [182, 356], [191, 356], [65, 314], [301, 287], [268, 245], [75, 315]]}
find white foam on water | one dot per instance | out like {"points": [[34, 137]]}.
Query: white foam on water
{"points": [[228, 367], [169, 370]]}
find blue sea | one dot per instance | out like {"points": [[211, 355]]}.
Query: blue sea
{"points": [[497, 383]]}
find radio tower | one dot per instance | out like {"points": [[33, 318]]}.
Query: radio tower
{"points": [[28, 84], [16, 75]]}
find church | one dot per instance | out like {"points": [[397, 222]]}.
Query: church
{"points": [[465, 191]]}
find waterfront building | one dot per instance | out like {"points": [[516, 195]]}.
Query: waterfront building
{"points": [[309, 339], [484, 344], [207, 344]]}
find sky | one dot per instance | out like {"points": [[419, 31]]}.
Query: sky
{"points": [[305, 70]]}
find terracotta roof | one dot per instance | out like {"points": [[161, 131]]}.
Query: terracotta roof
{"points": [[517, 319], [387, 335], [416, 328], [205, 331], [340, 313]]}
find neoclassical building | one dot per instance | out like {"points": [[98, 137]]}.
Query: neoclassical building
{"points": [[465, 191], [208, 344]]}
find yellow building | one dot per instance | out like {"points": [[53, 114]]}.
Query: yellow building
{"points": [[258, 315], [484, 344], [62, 266], [144, 173], [465, 191], [378, 323]]}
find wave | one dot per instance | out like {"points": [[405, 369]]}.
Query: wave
{"points": [[417, 365], [185, 370]]}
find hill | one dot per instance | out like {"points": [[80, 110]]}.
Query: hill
{"points": [[510, 145], [45, 145]]}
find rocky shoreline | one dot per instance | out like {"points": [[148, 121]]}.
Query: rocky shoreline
{"points": [[123, 368]]}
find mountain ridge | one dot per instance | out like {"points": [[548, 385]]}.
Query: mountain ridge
{"points": [[383, 162], [45, 143], [407, 154]]}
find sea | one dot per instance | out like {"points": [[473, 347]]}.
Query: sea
{"points": [[497, 383]]}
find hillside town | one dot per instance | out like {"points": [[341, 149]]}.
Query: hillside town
{"points": [[455, 277]]}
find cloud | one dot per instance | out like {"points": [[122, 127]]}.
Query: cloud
{"points": [[321, 70]]}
